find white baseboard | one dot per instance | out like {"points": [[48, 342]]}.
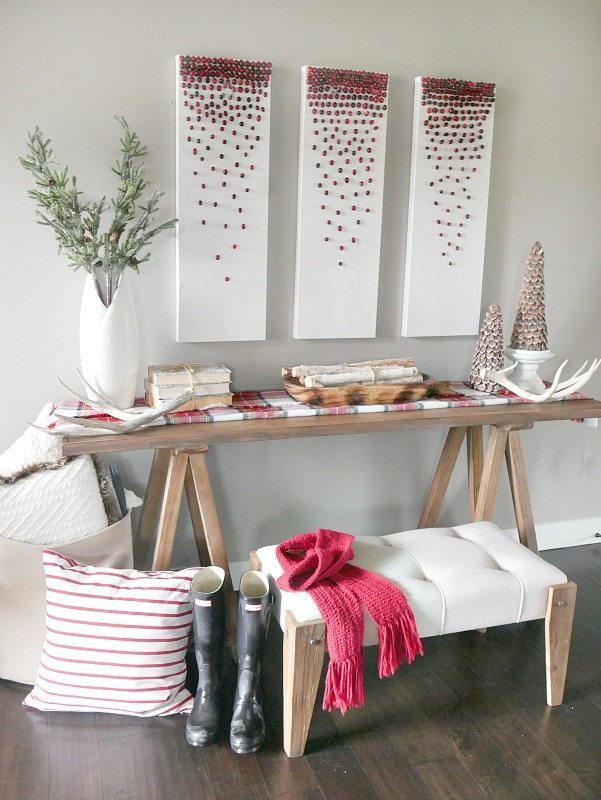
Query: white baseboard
{"points": [[550, 536], [568, 533]]}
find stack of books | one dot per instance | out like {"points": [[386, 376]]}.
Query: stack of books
{"points": [[211, 384]]}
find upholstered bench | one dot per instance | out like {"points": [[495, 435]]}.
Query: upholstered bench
{"points": [[470, 577]]}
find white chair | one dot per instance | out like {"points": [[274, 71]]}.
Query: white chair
{"points": [[470, 577]]}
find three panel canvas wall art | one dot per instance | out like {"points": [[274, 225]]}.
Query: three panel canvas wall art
{"points": [[223, 121]]}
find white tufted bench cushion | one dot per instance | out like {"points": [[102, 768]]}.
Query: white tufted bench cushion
{"points": [[455, 579], [469, 577]]}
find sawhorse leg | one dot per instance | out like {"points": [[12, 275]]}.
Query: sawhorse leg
{"points": [[152, 504], [207, 531], [491, 470], [172, 470], [442, 476], [516, 469], [483, 477], [475, 465]]}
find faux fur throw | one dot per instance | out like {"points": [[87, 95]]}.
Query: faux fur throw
{"points": [[32, 451], [318, 563]]}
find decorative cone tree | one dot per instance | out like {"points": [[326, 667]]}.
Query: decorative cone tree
{"points": [[530, 326], [489, 352]]}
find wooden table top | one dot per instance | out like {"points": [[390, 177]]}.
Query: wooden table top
{"points": [[206, 433]]}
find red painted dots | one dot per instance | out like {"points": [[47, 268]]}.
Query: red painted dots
{"points": [[224, 98], [455, 115], [342, 104]]}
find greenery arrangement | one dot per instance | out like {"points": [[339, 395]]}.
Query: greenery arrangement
{"points": [[76, 224]]}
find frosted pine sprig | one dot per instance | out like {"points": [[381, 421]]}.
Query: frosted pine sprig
{"points": [[77, 225]]}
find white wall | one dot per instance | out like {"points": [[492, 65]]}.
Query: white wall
{"points": [[70, 65]]}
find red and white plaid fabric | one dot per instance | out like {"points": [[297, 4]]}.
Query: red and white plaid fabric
{"points": [[116, 640], [274, 403]]}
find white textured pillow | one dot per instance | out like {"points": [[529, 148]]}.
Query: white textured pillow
{"points": [[53, 508], [116, 640]]}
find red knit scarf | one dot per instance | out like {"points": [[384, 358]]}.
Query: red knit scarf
{"points": [[318, 563]]}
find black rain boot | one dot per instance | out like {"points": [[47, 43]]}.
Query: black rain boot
{"points": [[208, 618], [247, 730]]}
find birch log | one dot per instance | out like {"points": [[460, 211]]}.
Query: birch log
{"points": [[370, 376], [320, 369]]}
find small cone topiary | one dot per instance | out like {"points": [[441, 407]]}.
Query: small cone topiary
{"points": [[489, 351]]}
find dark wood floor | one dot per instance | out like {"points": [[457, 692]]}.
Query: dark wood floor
{"points": [[468, 721]]}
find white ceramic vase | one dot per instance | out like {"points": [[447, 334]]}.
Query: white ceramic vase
{"points": [[109, 344]]}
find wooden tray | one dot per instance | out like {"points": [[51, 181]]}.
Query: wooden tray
{"points": [[358, 394]]}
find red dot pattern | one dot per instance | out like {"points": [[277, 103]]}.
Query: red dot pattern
{"points": [[224, 100], [456, 122], [346, 109]]}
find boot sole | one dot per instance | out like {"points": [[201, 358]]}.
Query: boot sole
{"points": [[200, 742], [243, 750]]}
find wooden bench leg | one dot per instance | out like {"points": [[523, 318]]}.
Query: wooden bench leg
{"points": [[561, 604], [304, 646]]}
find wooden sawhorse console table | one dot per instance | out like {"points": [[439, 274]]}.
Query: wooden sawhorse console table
{"points": [[180, 463]]}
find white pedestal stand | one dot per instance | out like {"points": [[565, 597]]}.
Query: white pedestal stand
{"points": [[525, 375]]}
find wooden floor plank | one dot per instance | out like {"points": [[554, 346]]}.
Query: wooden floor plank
{"points": [[127, 771], [497, 775], [23, 746], [393, 708], [339, 774], [283, 776], [179, 770], [74, 768], [448, 779], [233, 775], [301, 794], [376, 754]]}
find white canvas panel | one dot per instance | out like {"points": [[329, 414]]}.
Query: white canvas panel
{"points": [[341, 179], [223, 113], [448, 203]]}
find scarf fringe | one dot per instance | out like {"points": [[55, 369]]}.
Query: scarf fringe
{"points": [[399, 641], [344, 684]]}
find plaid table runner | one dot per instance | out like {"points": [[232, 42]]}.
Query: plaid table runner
{"points": [[276, 403]]}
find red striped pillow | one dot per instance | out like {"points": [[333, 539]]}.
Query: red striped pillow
{"points": [[116, 640]]}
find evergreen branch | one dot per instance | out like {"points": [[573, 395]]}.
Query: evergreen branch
{"points": [[76, 224]]}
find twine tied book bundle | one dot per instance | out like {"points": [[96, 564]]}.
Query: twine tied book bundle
{"points": [[210, 384]]}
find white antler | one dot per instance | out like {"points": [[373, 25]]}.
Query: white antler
{"points": [[130, 419], [141, 420], [500, 378], [556, 391], [564, 384], [577, 381], [102, 405]]}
